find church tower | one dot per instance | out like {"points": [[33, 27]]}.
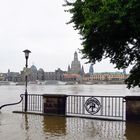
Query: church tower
{"points": [[75, 65], [75, 56]]}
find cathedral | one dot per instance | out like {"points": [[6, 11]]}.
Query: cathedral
{"points": [[76, 66]]}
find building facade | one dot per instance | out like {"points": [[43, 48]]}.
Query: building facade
{"points": [[114, 76], [56, 75]]}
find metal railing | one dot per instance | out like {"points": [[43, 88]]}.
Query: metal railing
{"points": [[35, 102], [101, 107]]}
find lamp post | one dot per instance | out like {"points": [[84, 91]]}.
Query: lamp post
{"points": [[26, 78]]}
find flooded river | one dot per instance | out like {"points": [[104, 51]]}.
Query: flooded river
{"points": [[34, 127]]}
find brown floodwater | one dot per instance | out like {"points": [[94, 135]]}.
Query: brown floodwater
{"points": [[35, 127]]}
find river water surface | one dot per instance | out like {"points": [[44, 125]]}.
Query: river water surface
{"points": [[35, 127]]}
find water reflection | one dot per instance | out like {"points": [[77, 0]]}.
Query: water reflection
{"points": [[27, 136], [53, 128], [95, 129], [32, 127], [81, 129], [132, 131], [35, 127], [54, 125]]}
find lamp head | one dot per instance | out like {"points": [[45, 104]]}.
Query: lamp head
{"points": [[27, 53]]}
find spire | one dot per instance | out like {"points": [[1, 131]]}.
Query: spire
{"points": [[75, 56], [8, 71], [124, 71], [82, 70], [91, 70], [68, 68]]}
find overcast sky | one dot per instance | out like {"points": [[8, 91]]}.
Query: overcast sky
{"points": [[40, 26]]}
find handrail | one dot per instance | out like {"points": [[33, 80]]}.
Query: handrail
{"points": [[12, 103]]}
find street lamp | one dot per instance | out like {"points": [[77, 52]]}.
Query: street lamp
{"points": [[26, 78]]}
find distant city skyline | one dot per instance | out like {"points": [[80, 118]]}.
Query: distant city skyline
{"points": [[39, 26], [97, 67]]}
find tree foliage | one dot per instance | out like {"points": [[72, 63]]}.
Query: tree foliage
{"points": [[109, 28]]}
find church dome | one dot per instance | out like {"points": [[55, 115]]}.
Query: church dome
{"points": [[33, 68], [41, 70]]}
